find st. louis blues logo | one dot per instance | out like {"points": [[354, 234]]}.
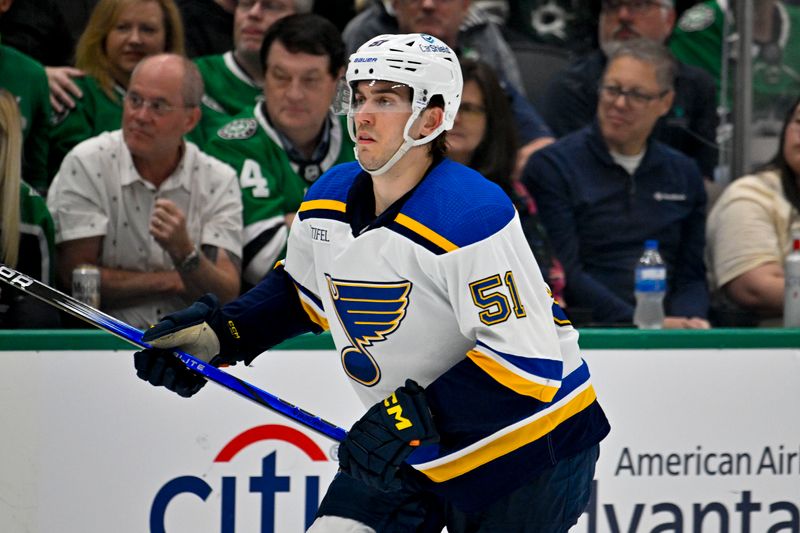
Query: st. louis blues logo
{"points": [[368, 312]]}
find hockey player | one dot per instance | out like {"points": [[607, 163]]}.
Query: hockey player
{"points": [[288, 139], [482, 416]]}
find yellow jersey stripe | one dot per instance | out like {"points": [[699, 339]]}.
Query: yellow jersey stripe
{"points": [[513, 440], [426, 232], [333, 205], [315, 317], [513, 381]]}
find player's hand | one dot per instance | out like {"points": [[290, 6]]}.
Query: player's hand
{"points": [[191, 330], [163, 368], [378, 444]]}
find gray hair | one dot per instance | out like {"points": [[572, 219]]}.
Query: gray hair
{"points": [[649, 52], [192, 88]]}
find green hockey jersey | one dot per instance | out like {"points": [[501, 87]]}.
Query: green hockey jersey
{"points": [[92, 115], [229, 90], [25, 78], [271, 186]]}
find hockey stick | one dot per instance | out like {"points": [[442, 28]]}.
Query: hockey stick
{"points": [[128, 333]]}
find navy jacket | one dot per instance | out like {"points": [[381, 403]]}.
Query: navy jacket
{"points": [[570, 103], [598, 217]]}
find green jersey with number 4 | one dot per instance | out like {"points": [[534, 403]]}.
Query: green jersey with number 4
{"points": [[272, 188]]}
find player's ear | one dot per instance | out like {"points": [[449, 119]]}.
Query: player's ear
{"points": [[431, 119]]}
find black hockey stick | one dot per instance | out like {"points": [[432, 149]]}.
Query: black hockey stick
{"points": [[128, 333]]}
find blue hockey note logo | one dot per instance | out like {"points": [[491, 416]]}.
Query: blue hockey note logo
{"points": [[368, 312]]}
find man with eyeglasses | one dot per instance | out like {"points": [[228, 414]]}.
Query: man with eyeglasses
{"points": [[283, 143], [689, 126], [606, 188], [233, 80], [160, 219]]}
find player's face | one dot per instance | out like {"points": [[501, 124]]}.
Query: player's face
{"points": [[381, 111], [138, 33], [440, 18], [252, 19], [154, 118], [298, 89], [626, 120], [791, 142], [621, 20], [470, 125]]}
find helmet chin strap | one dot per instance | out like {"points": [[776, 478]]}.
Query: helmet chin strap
{"points": [[408, 143]]}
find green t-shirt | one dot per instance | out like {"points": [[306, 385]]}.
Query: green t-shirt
{"points": [[94, 113], [229, 90], [270, 184], [698, 40], [25, 78]]}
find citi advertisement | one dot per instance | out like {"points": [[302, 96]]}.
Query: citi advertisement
{"points": [[270, 479]]}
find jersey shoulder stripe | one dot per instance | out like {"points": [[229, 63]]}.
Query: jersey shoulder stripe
{"points": [[453, 207], [327, 197]]}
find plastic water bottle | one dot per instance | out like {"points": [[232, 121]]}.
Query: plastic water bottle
{"points": [[650, 288], [791, 291]]}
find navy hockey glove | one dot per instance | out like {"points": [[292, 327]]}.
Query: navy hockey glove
{"points": [[378, 444], [161, 367], [197, 330]]}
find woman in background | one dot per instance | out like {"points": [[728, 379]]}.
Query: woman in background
{"points": [[749, 234], [483, 138], [26, 228], [119, 34]]}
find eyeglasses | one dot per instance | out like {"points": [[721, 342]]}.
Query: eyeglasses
{"points": [[634, 6], [159, 106], [467, 109], [265, 6], [634, 97]]}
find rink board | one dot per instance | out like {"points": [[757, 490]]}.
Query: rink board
{"points": [[703, 439]]}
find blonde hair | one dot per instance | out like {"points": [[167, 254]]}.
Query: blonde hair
{"points": [[90, 52], [10, 177]]}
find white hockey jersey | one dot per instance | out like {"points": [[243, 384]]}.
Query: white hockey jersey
{"points": [[443, 289]]}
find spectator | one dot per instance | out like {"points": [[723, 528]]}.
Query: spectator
{"points": [[750, 230], [26, 229], [25, 78], [570, 101], [118, 35], [234, 79], [570, 24], [469, 31], [484, 139], [283, 144], [605, 189], [704, 37], [160, 218], [211, 22]]}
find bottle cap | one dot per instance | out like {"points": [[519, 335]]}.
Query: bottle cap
{"points": [[651, 244]]}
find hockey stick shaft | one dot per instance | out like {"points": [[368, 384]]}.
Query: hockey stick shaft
{"points": [[132, 335]]}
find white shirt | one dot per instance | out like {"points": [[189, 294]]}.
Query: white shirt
{"points": [[99, 192]]}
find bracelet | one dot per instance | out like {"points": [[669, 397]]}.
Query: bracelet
{"points": [[190, 262]]}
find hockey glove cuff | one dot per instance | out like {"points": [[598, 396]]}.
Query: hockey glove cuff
{"points": [[379, 443]]}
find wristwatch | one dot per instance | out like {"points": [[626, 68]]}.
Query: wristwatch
{"points": [[190, 262]]}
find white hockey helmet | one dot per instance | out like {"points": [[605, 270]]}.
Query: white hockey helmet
{"points": [[423, 63]]}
